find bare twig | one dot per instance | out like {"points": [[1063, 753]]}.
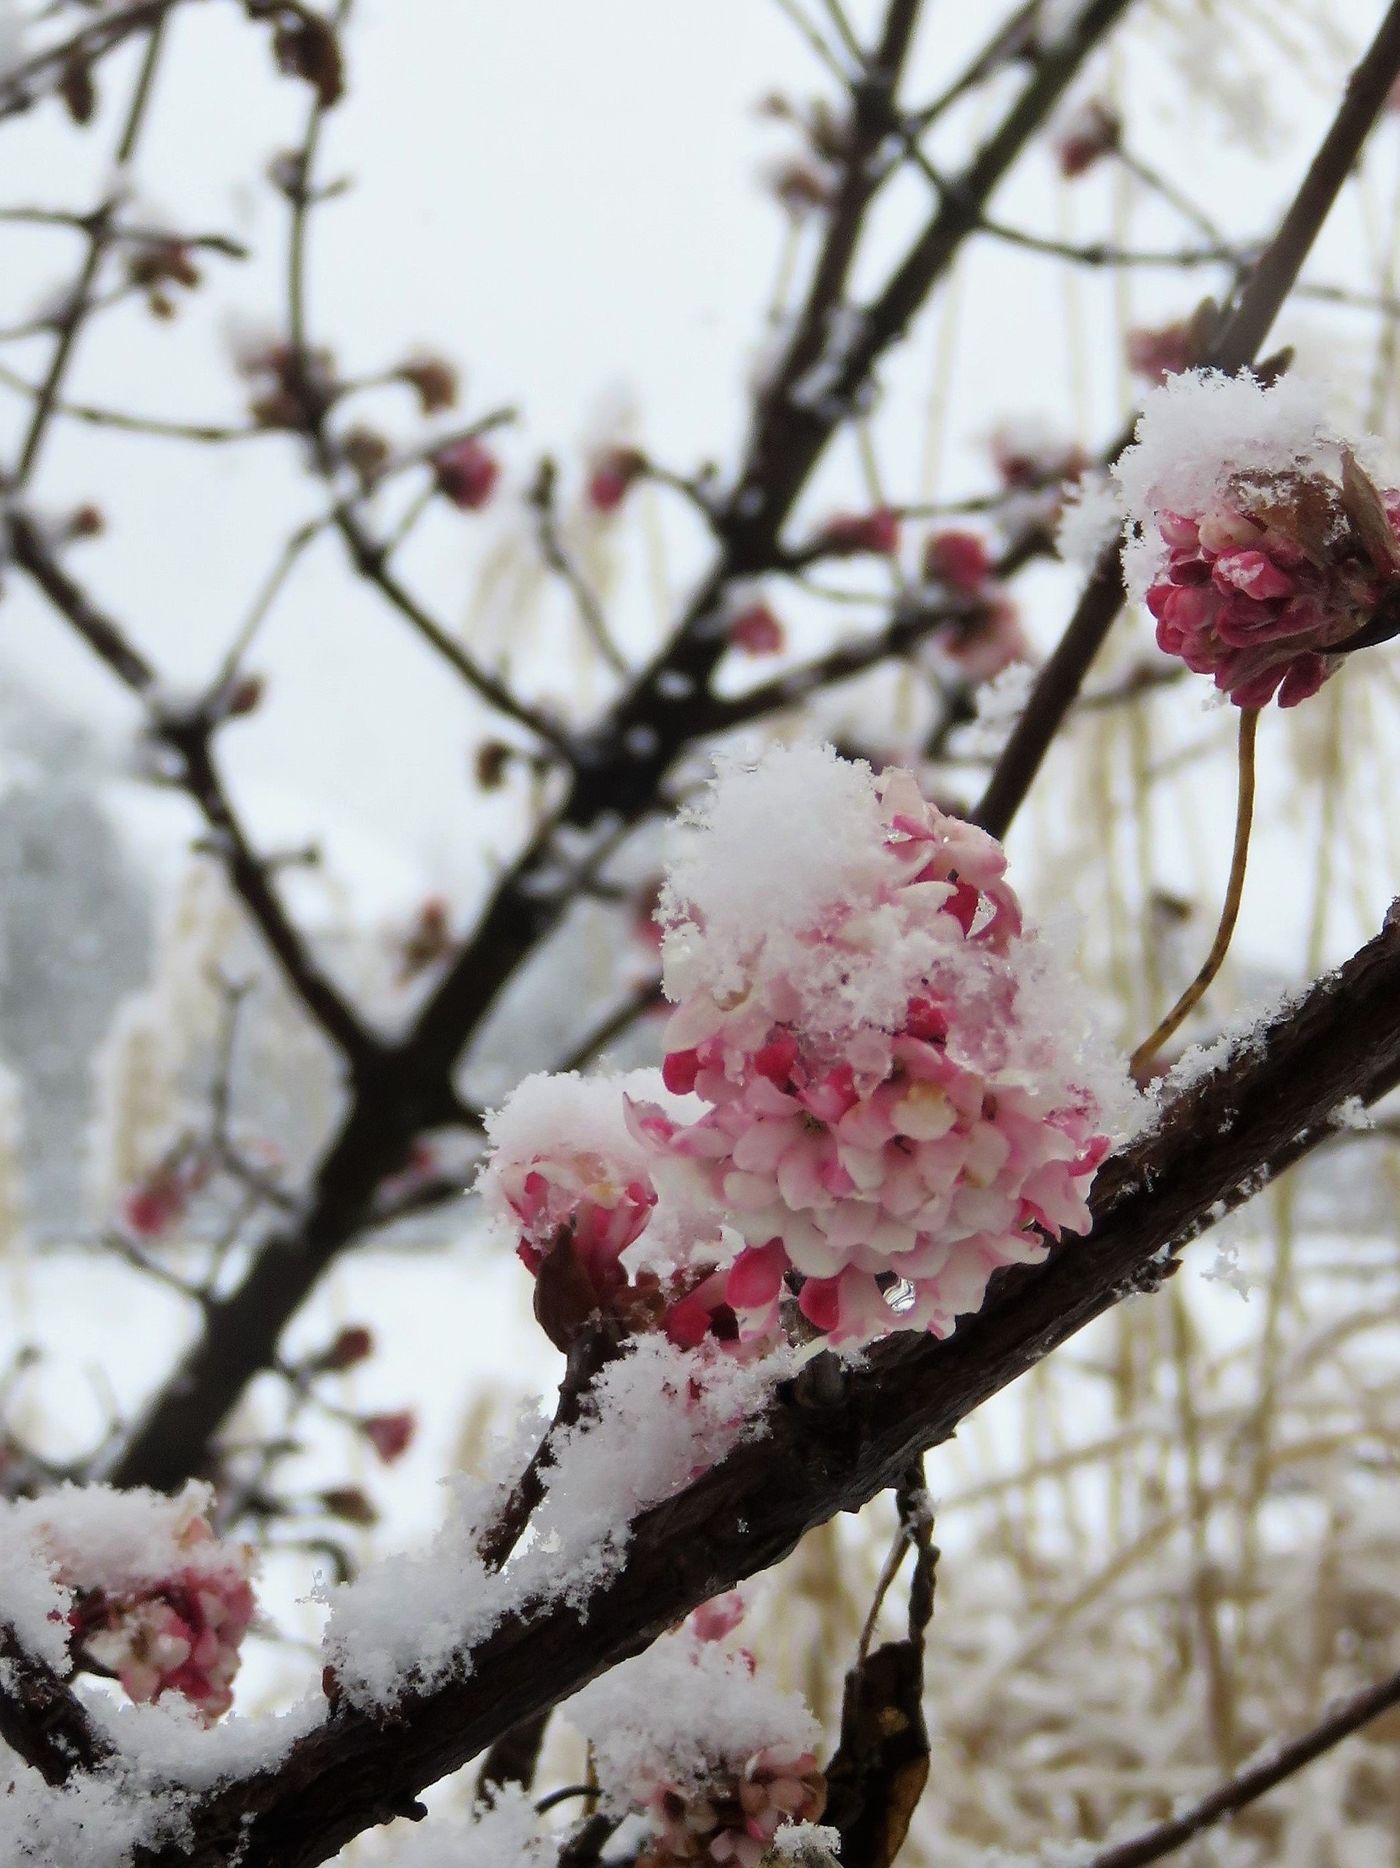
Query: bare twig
{"points": [[1248, 325], [1348, 1716]]}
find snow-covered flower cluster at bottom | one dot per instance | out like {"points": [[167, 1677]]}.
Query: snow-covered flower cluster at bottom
{"points": [[131, 1584], [1253, 537], [877, 1087], [715, 1758]]}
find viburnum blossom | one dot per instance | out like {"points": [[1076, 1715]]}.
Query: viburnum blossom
{"points": [[151, 1596], [715, 1757], [182, 1637], [735, 1818], [959, 559], [988, 637], [891, 1109], [572, 1181], [987, 641], [1258, 544], [876, 1089]]}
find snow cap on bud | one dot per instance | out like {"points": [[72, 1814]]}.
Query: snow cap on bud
{"points": [[695, 1739], [1255, 539]]}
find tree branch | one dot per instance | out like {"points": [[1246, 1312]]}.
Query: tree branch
{"points": [[1216, 1144], [1259, 303], [189, 735], [41, 1719], [620, 771], [1348, 1716]]}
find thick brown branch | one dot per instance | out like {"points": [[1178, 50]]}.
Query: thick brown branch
{"points": [[1215, 1145], [41, 1719]]}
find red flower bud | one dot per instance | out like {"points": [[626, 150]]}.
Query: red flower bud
{"points": [[390, 1435], [467, 473]]}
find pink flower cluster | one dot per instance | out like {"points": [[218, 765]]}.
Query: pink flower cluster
{"points": [[1258, 587], [884, 1176], [179, 1633], [577, 1213], [735, 1820], [873, 1096]]}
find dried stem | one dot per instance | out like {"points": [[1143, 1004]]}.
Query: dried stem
{"points": [[1142, 1057]]}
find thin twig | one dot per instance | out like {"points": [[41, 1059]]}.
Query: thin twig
{"points": [[561, 562], [1258, 304], [98, 240], [1244, 817], [1349, 1716]]}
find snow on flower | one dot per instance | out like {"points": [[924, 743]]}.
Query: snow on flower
{"points": [[715, 1757], [562, 1158], [896, 1099], [1254, 539], [136, 1584]]}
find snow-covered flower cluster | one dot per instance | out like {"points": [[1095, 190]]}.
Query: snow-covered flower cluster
{"points": [[1255, 540], [877, 1088], [136, 1584], [716, 1758]]}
